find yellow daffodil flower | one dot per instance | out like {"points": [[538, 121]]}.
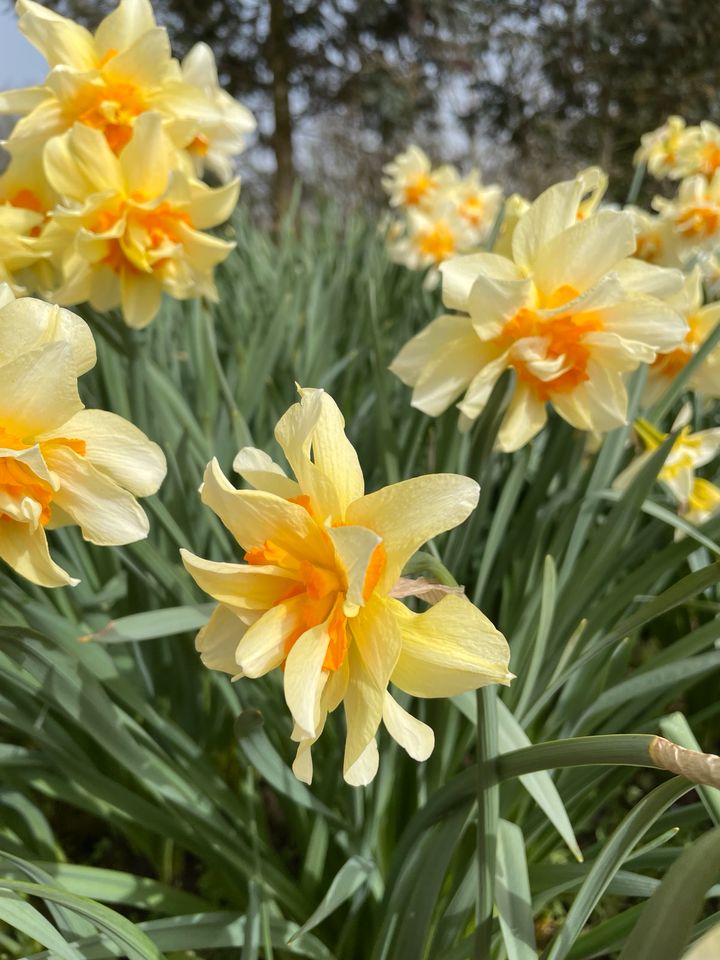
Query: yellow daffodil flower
{"points": [[108, 79], [315, 594], [25, 201], [127, 229], [61, 463], [431, 236], [701, 321], [477, 204], [694, 215], [697, 498], [569, 313], [660, 149], [411, 182], [221, 133]]}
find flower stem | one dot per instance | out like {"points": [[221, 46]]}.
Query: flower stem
{"points": [[488, 803]]}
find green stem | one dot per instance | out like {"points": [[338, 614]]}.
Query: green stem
{"points": [[631, 749], [488, 801], [637, 180]]}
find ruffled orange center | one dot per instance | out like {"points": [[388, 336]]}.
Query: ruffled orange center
{"points": [[698, 221], [564, 337], [27, 200], [710, 158], [109, 107], [417, 187], [146, 236], [17, 479], [322, 588], [438, 243], [199, 146]]}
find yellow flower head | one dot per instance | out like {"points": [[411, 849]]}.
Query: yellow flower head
{"points": [[569, 313], [701, 321], [477, 204], [412, 183], [694, 215], [108, 79], [697, 498], [314, 595], [220, 134], [431, 236], [660, 149], [25, 201], [129, 229], [61, 463]]}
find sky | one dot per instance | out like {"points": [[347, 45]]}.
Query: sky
{"points": [[20, 64]]}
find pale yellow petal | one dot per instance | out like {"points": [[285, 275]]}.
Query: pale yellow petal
{"points": [[26, 551], [362, 772], [448, 649], [408, 514], [460, 273], [253, 516], [363, 705], [107, 514], [525, 417], [148, 180], [305, 678], [264, 645], [260, 471], [80, 163], [247, 586], [209, 208], [140, 297], [218, 640], [38, 390], [355, 547], [121, 28], [59, 40], [414, 736], [118, 449], [28, 323]]}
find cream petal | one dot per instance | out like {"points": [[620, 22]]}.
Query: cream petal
{"points": [[247, 586], [80, 163], [218, 640], [333, 478], [209, 208], [450, 373], [302, 764], [355, 547], [363, 771], [636, 276], [140, 297], [147, 62], [554, 211], [377, 638], [26, 324], [363, 704], [708, 446], [492, 302], [128, 21], [260, 471], [422, 350], [414, 736], [481, 386], [645, 320], [460, 273], [26, 551], [263, 646], [408, 514], [59, 40], [448, 649], [38, 390], [525, 417], [22, 101], [584, 253], [148, 179], [253, 516], [118, 449], [600, 403], [305, 678], [107, 514]]}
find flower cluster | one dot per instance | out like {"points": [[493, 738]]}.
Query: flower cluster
{"points": [[439, 214], [60, 463], [89, 215]]}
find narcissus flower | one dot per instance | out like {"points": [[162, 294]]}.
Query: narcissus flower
{"points": [[108, 79], [315, 595], [478, 204], [660, 148], [429, 237], [570, 313], [61, 463], [127, 229], [701, 321], [410, 181], [220, 134], [697, 498], [25, 201], [694, 215]]}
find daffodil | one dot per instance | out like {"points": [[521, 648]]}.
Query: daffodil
{"points": [[699, 151], [697, 498], [411, 182], [659, 150], [315, 594], [477, 204], [128, 229], [694, 214], [220, 134], [431, 236], [701, 321], [61, 463], [25, 201], [108, 79], [569, 313]]}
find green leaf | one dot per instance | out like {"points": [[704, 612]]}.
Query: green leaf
{"points": [[665, 924], [154, 624], [351, 877], [512, 894], [21, 915]]}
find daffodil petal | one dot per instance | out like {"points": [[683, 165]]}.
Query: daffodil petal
{"points": [[305, 678], [38, 390], [448, 649], [554, 211], [218, 640], [363, 770], [355, 547], [260, 471], [26, 551], [264, 645], [414, 736], [408, 514]]}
